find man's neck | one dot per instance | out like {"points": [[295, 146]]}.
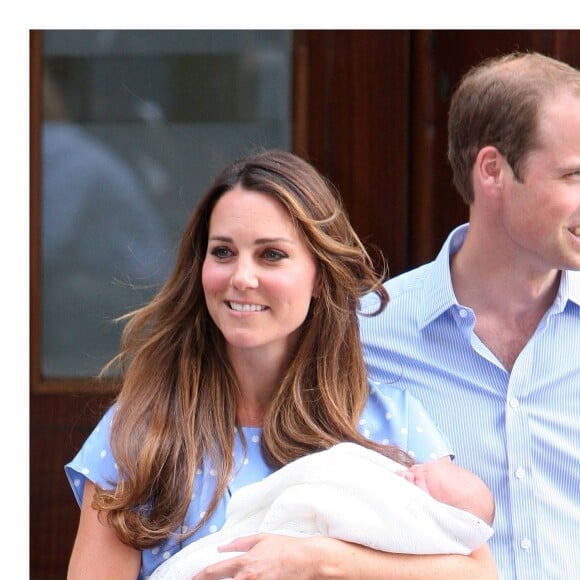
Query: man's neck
{"points": [[509, 297]]}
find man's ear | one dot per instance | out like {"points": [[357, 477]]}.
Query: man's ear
{"points": [[489, 168]]}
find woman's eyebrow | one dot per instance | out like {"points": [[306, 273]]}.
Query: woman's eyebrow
{"points": [[273, 240]]}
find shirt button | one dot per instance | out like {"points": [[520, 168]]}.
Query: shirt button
{"points": [[525, 544], [514, 403], [462, 312], [520, 473]]}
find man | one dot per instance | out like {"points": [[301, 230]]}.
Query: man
{"points": [[487, 335]]}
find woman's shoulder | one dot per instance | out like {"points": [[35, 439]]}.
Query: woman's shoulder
{"points": [[94, 460], [394, 416], [386, 403]]}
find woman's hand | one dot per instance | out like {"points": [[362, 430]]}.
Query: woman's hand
{"points": [[266, 557]]}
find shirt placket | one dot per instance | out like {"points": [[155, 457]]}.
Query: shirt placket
{"points": [[523, 508]]}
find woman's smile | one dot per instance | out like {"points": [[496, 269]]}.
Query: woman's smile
{"points": [[244, 307]]}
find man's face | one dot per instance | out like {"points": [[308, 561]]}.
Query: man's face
{"points": [[542, 213]]}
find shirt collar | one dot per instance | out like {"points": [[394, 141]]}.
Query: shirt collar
{"points": [[569, 289], [438, 288], [439, 294]]}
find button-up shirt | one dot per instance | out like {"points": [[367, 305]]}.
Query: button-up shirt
{"points": [[519, 431]]}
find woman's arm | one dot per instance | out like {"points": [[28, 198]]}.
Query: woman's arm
{"points": [[359, 563], [97, 552], [276, 557]]}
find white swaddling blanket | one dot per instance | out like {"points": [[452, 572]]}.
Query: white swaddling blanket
{"points": [[347, 492]]}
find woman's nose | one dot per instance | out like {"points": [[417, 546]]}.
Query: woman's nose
{"points": [[244, 276]]}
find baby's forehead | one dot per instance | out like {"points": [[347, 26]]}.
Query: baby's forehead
{"points": [[439, 470]]}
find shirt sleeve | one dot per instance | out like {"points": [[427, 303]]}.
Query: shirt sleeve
{"points": [[94, 461], [394, 416]]}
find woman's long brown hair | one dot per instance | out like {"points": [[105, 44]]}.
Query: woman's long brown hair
{"points": [[177, 405]]}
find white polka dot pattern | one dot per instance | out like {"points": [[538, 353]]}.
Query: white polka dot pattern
{"points": [[391, 416]]}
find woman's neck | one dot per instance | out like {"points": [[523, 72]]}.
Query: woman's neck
{"points": [[258, 377]]}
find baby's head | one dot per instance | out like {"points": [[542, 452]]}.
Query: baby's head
{"points": [[451, 484]]}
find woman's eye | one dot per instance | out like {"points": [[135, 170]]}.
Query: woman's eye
{"points": [[573, 174], [221, 252], [274, 255]]}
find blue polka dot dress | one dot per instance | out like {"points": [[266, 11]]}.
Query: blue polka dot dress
{"points": [[391, 416]]}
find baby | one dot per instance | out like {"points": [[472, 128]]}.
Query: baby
{"points": [[453, 485], [357, 495]]}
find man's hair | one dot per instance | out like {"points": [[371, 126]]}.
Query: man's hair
{"points": [[497, 103]]}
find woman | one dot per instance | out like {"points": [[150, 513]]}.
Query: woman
{"points": [[248, 358]]}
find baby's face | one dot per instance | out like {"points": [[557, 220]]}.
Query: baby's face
{"points": [[438, 478], [453, 485]]}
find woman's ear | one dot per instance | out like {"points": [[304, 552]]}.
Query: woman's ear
{"points": [[317, 284]]}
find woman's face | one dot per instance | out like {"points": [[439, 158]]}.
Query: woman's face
{"points": [[258, 275]]}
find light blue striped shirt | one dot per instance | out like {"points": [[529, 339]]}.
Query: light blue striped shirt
{"points": [[519, 432]]}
